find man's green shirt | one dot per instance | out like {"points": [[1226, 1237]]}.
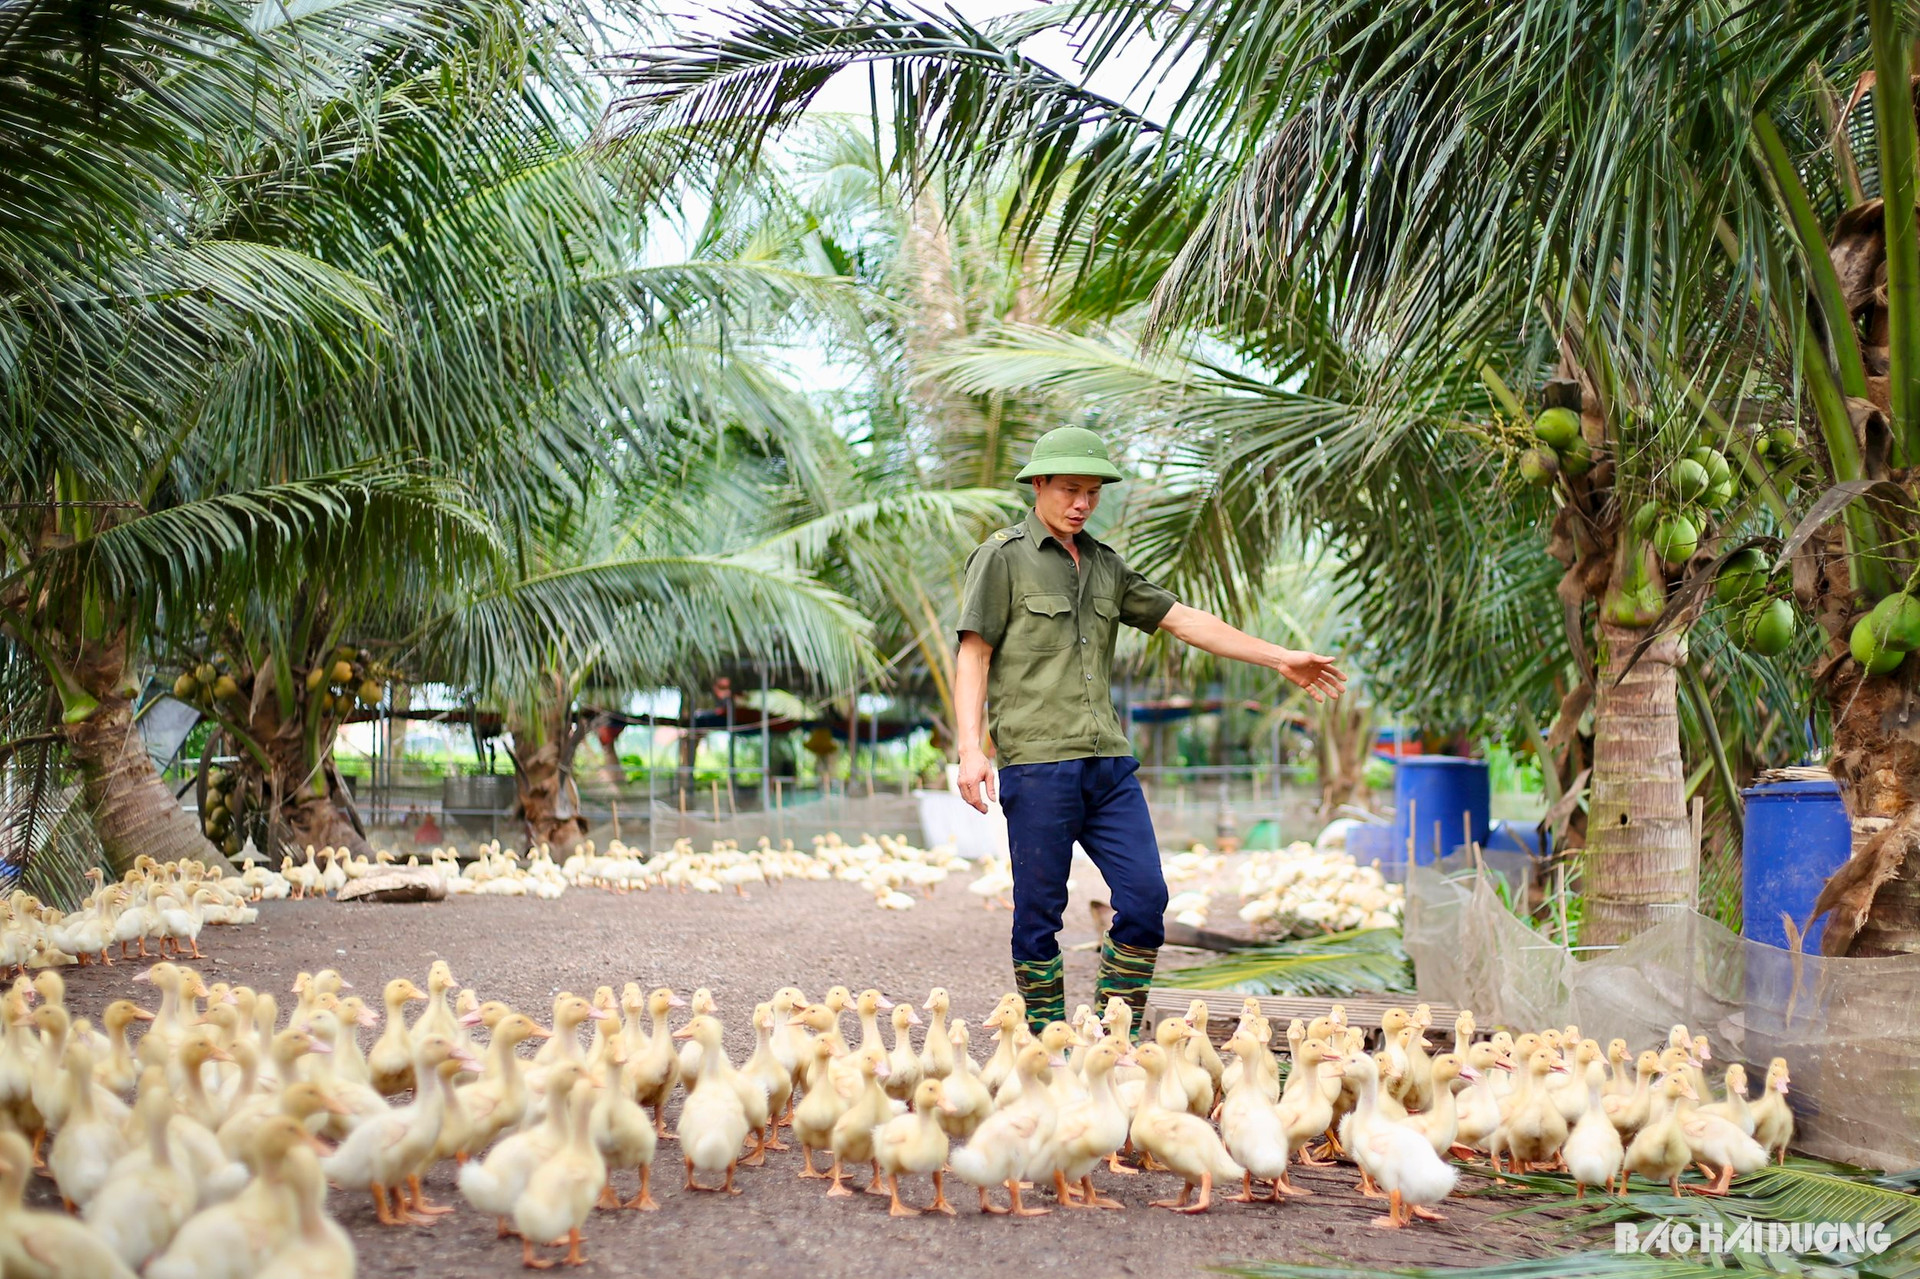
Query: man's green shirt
{"points": [[1052, 626]]}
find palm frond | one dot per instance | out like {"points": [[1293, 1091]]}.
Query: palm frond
{"points": [[1338, 963]]}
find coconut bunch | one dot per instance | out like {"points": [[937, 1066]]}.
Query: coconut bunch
{"points": [[1301, 889]]}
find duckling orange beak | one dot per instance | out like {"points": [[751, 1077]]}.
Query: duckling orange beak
{"points": [[685, 1032], [471, 1019], [467, 1059], [366, 1018], [913, 1018], [1469, 1074], [219, 1054], [796, 1021], [141, 1014], [674, 1001], [1503, 1064], [333, 1107], [1124, 1059], [1560, 1068], [599, 1014], [881, 1071], [882, 1001], [315, 1044], [145, 976]]}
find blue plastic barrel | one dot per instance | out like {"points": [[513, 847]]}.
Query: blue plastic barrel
{"points": [[1797, 836], [1439, 788]]}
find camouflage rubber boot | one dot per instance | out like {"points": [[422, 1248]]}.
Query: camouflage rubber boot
{"points": [[1126, 972], [1043, 984]]}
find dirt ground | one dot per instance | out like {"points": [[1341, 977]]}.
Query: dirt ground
{"points": [[811, 936]]}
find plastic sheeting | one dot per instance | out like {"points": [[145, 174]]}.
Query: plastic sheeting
{"points": [[1849, 1028]]}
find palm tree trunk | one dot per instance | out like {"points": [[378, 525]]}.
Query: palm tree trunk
{"points": [[133, 811], [549, 803], [1639, 861], [1875, 897]]}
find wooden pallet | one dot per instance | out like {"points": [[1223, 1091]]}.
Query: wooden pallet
{"points": [[1223, 1011]]}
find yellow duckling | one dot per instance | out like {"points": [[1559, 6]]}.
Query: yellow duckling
{"points": [[936, 1053], [89, 1142], [1004, 1143], [966, 1101], [232, 1240], [1306, 1112], [561, 1193], [1394, 1156], [1178, 1140], [319, 1249], [656, 1071], [903, 1064], [713, 1121], [625, 1138], [1089, 1129], [144, 1201], [1532, 1129], [764, 1071], [46, 1243], [391, 1062], [820, 1108], [914, 1144], [1659, 1151], [390, 1151], [1772, 1117], [852, 1137], [495, 1183], [499, 1100]]}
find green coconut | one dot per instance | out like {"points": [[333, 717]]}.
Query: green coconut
{"points": [[186, 686], [315, 678], [1896, 620], [1742, 578], [231, 845], [1783, 445], [1721, 494], [342, 672], [1675, 539], [1715, 462], [1766, 628], [1538, 466], [1644, 517], [1577, 457], [1870, 648], [1689, 480], [1557, 428], [226, 687], [369, 693]]}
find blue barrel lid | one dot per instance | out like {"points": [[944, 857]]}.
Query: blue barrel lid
{"points": [[1827, 789], [1438, 760]]}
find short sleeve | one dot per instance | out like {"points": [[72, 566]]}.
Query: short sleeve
{"points": [[987, 598], [1142, 604]]}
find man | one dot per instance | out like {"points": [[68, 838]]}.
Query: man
{"points": [[1042, 606]]}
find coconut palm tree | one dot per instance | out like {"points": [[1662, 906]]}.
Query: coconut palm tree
{"points": [[1442, 180]]}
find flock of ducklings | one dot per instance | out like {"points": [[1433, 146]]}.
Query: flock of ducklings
{"points": [[240, 1118], [165, 903], [894, 872]]}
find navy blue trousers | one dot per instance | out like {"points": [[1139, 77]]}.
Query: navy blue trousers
{"points": [[1097, 801]]}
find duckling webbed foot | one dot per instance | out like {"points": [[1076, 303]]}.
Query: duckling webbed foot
{"points": [[1425, 1214], [643, 1200], [1091, 1198], [896, 1208], [421, 1204], [608, 1201], [530, 1261], [574, 1256], [1115, 1166], [1392, 1221], [1246, 1195], [940, 1203], [1019, 1209], [810, 1171], [837, 1190], [874, 1187]]}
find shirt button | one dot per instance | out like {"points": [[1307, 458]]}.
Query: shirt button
{"points": [[1089, 677], [1083, 639]]}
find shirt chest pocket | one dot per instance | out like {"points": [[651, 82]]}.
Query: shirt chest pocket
{"points": [[1048, 622]]}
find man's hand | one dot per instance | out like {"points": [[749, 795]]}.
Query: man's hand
{"points": [[976, 778], [1317, 674]]}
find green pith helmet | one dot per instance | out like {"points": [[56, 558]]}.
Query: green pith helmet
{"points": [[1070, 450]]}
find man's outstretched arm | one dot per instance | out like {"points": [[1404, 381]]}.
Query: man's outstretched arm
{"points": [[1317, 674]]}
